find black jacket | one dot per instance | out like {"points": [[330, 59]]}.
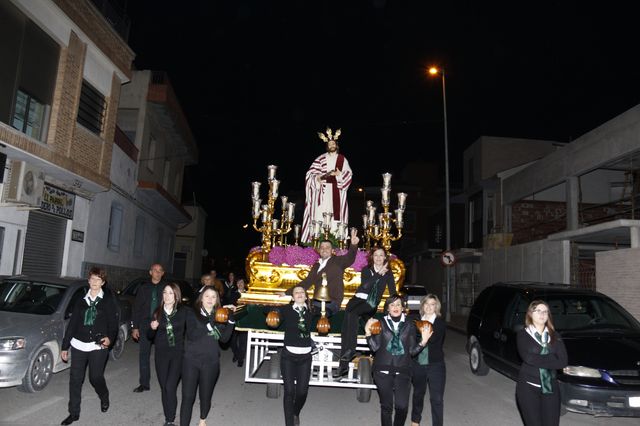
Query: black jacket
{"points": [[436, 341], [105, 324], [199, 344], [533, 361], [369, 276], [142, 305], [383, 360], [289, 318], [159, 336]]}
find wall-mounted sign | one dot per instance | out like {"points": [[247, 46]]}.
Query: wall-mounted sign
{"points": [[58, 201], [77, 236]]}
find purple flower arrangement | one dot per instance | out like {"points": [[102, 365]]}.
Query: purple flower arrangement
{"points": [[297, 255]]}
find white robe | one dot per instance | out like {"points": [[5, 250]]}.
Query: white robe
{"points": [[319, 196]]}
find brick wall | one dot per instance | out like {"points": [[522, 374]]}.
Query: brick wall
{"points": [[617, 273], [534, 220]]}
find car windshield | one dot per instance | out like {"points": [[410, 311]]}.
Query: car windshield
{"points": [[587, 312], [30, 297]]}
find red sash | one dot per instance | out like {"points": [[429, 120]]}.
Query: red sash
{"points": [[336, 192]]}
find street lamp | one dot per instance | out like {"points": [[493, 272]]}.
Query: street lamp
{"points": [[435, 71]]}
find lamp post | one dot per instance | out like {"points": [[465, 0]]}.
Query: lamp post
{"points": [[435, 71]]}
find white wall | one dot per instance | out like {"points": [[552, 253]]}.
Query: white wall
{"points": [[74, 251], [13, 220], [546, 261]]}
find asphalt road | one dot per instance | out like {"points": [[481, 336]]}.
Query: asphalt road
{"points": [[469, 400]]}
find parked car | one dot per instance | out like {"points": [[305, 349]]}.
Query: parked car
{"points": [[131, 290], [414, 294], [34, 313], [601, 337]]}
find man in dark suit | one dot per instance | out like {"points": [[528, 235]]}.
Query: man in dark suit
{"points": [[334, 267], [147, 301]]}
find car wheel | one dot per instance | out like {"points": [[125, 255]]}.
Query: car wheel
{"points": [[476, 360], [273, 389], [364, 377], [39, 371], [118, 346]]}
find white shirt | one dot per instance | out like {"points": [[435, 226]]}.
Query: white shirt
{"points": [[322, 262]]}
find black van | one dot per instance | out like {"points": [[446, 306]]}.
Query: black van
{"points": [[601, 337]]}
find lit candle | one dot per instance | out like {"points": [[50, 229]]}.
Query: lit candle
{"points": [[274, 187], [272, 171], [292, 211], [386, 180], [385, 196], [274, 224], [380, 218], [265, 213], [255, 186], [327, 218], [296, 231], [376, 230], [399, 214], [317, 224], [364, 221], [284, 199], [369, 204], [399, 224], [402, 200]]}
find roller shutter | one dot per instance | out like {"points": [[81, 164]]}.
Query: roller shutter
{"points": [[44, 245]]}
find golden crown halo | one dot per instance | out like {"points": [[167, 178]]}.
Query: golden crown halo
{"points": [[328, 135]]}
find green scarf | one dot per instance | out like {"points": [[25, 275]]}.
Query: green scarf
{"points": [[373, 294], [302, 324], [170, 336], [91, 312], [395, 347], [545, 373]]}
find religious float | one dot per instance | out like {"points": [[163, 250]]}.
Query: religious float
{"points": [[282, 261]]}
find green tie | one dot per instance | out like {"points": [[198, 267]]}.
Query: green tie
{"points": [[91, 313], [545, 373], [373, 295], [214, 330], [395, 347], [302, 324], [170, 336]]}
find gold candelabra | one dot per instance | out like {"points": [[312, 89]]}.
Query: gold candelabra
{"points": [[273, 230], [381, 231]]}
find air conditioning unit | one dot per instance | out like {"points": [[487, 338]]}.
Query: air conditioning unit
{"points": [[24, 185]]}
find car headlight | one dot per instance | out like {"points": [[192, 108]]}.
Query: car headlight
{"points": [[12, 343], [575, 370]]}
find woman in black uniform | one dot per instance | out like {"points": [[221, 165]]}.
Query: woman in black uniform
{"points": [[429, 367], [201, 362], [167, 332], [375, 278], [295, 362], [394, 347], [542, 352], [92, 329]]}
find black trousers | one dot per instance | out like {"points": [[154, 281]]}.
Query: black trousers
{"points": [[197, 376], [296, 371], [393, 390], [144, 357], [97, 361], [355, 309], [168, 370], [536, 408], [239, 344], [435, 375]]}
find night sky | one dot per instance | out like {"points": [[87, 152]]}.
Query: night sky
{"points": [[257, 79]]}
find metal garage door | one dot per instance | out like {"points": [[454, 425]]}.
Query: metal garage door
{"points": [[44, 244]]}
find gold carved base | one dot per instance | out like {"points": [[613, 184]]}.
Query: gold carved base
{"points": [[267, 281]]}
